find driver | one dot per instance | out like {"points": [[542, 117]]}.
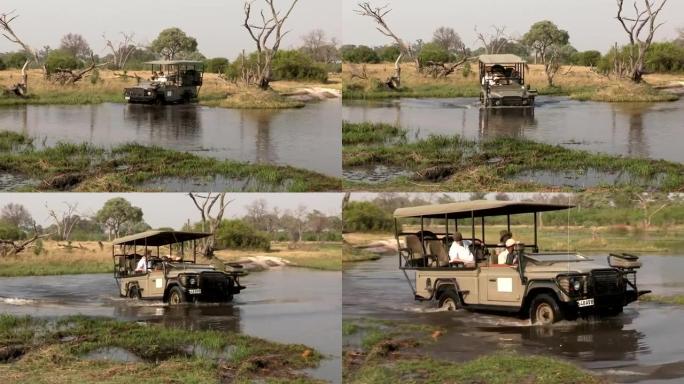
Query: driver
{"points": [[460, 254]]}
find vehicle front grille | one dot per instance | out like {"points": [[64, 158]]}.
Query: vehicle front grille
{"points": [[214, 285], [606, 282], [511, 101]]}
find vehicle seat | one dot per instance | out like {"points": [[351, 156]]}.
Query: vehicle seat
{"points": [[414, 248], [437, 249]]}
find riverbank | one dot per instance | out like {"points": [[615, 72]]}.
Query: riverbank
{"points": [[590, 239], [87, 168], [575, 81], [83, 257], [663, 299], [90, 350], [381, 351], [323, 256], [215, 91], [453, 163]]}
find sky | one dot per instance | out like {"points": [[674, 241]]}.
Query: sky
{"points": [[168, 209], [590, 23], [216, 24]]}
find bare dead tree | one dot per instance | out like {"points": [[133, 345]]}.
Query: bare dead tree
{"points": [[121, 50], [439, 69], [271, 26], [358, 73], [13, 248], [66, 220], [494, 41], [378, 15], [640, 38], [6, 19], [649, 206], [70, 77], [210, 221]]}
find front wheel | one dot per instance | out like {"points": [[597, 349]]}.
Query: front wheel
{"points": [[545, 310], [176, 296], [134, 292], [449, 300]]}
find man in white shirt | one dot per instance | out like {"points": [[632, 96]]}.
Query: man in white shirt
{"points": [[503, 256], [142, 263], [460, 254]]}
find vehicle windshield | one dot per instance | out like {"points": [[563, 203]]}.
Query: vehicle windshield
{"points": [[557, 257]]}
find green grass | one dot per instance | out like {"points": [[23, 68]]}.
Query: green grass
{"points": [[331, 263], [497, 368], [624, 92], [250, 99], [17, 267], [489, 164], [70, 97], [84, 167], [371, 133], [661, 299], [352, 254], [53, 352]]}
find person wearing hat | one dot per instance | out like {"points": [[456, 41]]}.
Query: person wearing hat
{"points": [[503, 256], [460, 254]]}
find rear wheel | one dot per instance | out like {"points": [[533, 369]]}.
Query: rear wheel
{"points": [[544, 310], [176, 296], [449, 300]]}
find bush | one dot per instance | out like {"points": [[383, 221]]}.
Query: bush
{"points": [[434, 52], [586, 58], [216, 65], [10, 232], [665, 57], [3, 66], [59, 59], [15, 59], [38, 247], [359, 54], [389, 53], [295, 65], [366, 216], [240, 235]]}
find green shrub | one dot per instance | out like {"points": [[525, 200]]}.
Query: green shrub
{"points": [[665, 57], [238, 234], [216, 65], [295, 65], [359, 54], [366, 216], [59, 59], [3, 66], [389, 53], [38, 247], [435, 53], [10, 232], [586, 58], [15, 59], [95, 76]]}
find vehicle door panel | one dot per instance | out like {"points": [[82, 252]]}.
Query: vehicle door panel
{"points": [[502, 285]]}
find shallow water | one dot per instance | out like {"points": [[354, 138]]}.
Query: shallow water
{"points": [[280, 304], [634, 129], [308, 138], [644, 344]]}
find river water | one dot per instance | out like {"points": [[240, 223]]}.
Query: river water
{"points": [[645, 344], [288, 305], [633, 129], [308, 138]]}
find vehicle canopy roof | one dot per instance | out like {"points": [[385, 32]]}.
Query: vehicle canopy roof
{"points": [[159, 238], [477, 208], [506, 58], [173, 62]]}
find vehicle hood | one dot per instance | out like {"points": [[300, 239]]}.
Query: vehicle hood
{"points": [[196, 268], [508, 91], [563, 266]]}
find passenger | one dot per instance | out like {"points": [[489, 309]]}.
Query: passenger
{"points": [[503, 256], [142, 263], [460, 254]]}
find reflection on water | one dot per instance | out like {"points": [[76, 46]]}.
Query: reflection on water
{"points": [[308, 138], [635, 129], [288, 305], [641, 345]]}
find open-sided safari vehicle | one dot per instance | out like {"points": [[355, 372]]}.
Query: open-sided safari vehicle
{"points": [[502, 82], [172, 82], [546, 287], [162, 265]]}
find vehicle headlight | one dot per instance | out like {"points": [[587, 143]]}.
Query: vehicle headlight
{"points": [[576, 285], [188, 281]]}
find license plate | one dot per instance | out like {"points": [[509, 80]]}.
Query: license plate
{"points": [[128, 97], [197, 291], [585, 303]]}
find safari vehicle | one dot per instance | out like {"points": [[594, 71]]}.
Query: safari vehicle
{"points": [[172, 82], [502, 82], [546, 287], [170, 272]]}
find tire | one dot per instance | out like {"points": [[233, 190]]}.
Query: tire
{"points": [[449, 300], [176, 296], [544, 310], [134, 292], [612, 312]]}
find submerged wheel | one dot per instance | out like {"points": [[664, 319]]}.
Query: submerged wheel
{"points": [[449, 300], [134, 292], [176, 296], [545, 310]]}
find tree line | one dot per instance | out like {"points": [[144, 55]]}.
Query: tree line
{"points": [[544, 43]]}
